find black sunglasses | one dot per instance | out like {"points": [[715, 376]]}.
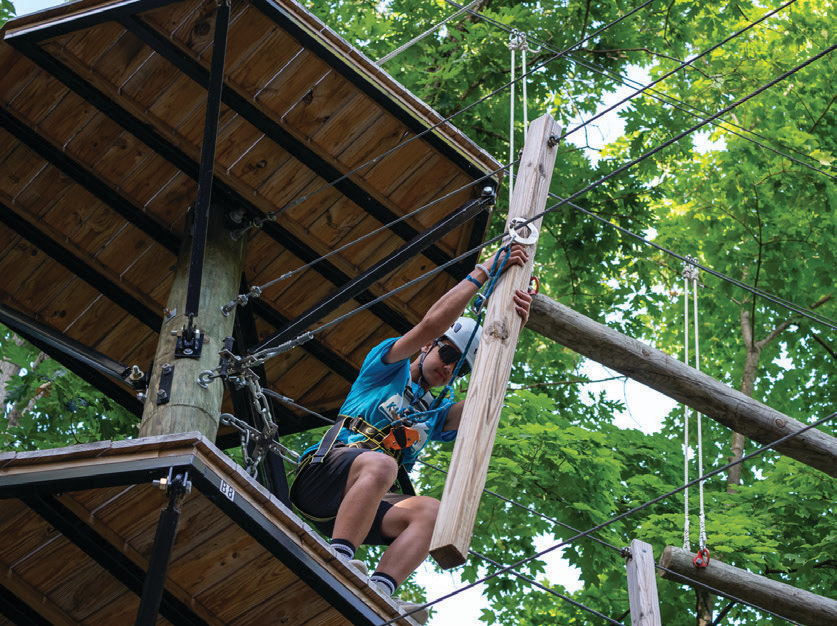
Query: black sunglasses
{"points": [[449, 354]]}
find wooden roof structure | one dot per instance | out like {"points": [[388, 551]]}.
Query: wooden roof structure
{"points": [[78, 527], [102, 107]]}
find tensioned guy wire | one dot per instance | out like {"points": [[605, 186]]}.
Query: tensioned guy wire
{"points": [[628, 513], [274, 214]]}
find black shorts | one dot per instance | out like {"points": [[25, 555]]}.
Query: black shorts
{"points": [[317, 492]]}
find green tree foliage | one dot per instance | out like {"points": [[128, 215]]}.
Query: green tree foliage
{"points": [[742, 209]]}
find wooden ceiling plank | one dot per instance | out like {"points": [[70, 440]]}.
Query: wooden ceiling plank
{"points": [[214, 560], [68, 305], [38, 98], [235, 139], [128, 338], [256, 71], [46, 190], [125, 153], [18, 73], [319, 104], [247, 587], [173, 105], [36, 600], [90, 44], [86, 591], [63, 121], [43, 285], [124, 58], [23, 533], [78, 262], [294, 604], [357, 115], [20, 167], [258, 163], [124, 249], [92, 140]]}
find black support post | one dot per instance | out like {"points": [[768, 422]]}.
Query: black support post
{"points": [[155, 579], [205, 176]]}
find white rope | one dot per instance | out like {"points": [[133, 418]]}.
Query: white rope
{"points": [[517, 41], [699, 429], [429, 31], [690, 278]]}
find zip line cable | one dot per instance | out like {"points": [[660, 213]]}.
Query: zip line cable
{"points": [[526, 508], [685, 106], [430, 31], [624, 515], [257, 222], [268, 353], [535, 583], [256, 291], [683, 65]]}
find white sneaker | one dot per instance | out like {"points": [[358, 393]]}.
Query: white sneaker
{"points": [[359, 566], [405, 606]]}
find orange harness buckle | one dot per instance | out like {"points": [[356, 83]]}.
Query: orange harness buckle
{"points": [[400, 437]]}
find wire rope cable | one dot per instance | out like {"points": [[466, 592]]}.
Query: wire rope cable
{"points": [[697, 112], [429, 31], [632, 511], [255, 223]]}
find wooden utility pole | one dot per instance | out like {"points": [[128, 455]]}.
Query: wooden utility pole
{"points": [[685, 384], [796, 604], [187, 406], [642, 585], [487, 388]]}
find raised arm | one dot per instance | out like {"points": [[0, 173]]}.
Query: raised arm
{"points": [[446, 310]]}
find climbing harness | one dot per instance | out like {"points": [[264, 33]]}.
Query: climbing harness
{"points": [[517, 41], [691, 277]]}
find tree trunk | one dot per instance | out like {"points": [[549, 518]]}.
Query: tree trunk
{"points": [[748, 382], [8, 371], [704, 602]]}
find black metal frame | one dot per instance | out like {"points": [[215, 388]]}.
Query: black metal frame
{"points": [[214, 88], [36, 490], [375, 273], [281, 137], [58, 253]]}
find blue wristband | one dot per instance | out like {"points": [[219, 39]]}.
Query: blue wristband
{"points": [[474, 280]]}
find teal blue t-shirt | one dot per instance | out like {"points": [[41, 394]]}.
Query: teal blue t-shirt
{"points": [[381, 386]]}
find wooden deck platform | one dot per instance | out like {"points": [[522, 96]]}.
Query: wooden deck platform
{"points": [[77, 526], [102, 109]]}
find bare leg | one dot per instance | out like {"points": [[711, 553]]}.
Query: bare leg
{"points": [[370, 477], [411, 522]]}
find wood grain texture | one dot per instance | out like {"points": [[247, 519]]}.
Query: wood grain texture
{"points": [[642, 585], [487, 388], [683, 383], [799, 605]]}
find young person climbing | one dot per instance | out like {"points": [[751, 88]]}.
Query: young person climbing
{"points": [[345, 485]]}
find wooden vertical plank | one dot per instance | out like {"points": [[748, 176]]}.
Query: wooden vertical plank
{"points": [[481, 414], [642, 585]]}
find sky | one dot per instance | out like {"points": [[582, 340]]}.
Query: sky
{"points": [[645, 410]]}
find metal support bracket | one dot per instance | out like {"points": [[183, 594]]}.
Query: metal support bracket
{"points": [[155, 580], [164, 386], [189, 344]]}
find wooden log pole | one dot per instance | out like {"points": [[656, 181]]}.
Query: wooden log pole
{"points": [[798, 605], [642, 585], [683, 383], [487, 387], [191, 407]]}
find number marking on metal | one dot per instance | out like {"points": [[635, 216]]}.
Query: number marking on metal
{"points": [[227, 490]]}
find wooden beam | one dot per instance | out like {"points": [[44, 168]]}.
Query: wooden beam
{"points": [[190, 407], [642, 585], [487, 388], [799, 605], [683, 383]]}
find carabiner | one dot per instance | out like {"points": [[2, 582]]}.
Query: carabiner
{"points": [[702, 558], [537, 288]]}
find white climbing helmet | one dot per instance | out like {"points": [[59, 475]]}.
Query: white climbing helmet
{"points": [[460, 332]]}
